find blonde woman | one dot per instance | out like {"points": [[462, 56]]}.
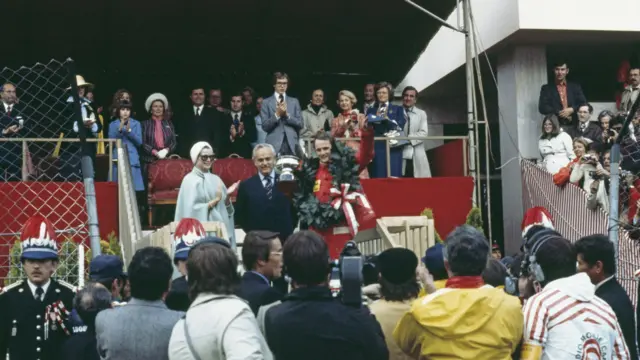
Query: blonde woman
{"points": [[349, 123]]}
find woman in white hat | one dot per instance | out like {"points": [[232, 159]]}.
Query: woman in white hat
{"points": [[203, 196], [158, 134]]}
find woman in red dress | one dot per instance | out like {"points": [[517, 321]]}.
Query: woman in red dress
{"points": [[329, 197], [349, 123]]}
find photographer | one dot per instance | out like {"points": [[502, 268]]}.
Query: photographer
{"points": [[310, 323], [589, 170], [607, 120]]}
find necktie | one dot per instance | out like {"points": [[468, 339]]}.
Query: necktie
{"points": [[236, 120], [197, 111], [281, 98], [39, 293], [9, 110], [268, 185]]}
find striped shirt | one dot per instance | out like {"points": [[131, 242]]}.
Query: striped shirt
{"points": [[570, 328]]}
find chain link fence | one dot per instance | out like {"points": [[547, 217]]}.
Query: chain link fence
{"points": [[40, 166]]}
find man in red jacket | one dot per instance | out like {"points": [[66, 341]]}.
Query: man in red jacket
{"points": [[329, 197]]}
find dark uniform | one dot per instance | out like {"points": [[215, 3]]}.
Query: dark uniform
{"points": [[22, 321]]}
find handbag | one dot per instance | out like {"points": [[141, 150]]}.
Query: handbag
{"points": [[396, 143], [562, 177]]}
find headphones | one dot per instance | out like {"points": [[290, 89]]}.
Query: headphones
{"points": [[530, 264], [510, 281]]}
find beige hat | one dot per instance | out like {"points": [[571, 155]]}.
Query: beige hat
{"points": [[153, 97], [80, 81]]}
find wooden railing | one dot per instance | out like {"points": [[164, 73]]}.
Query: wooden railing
{"points": [[416, 233]]}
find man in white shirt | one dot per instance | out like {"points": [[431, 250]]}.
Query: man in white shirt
{"points": [[565, 319], [369, 97]]}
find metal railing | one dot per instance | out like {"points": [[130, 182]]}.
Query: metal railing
{"points": [[308, 146], [43, 170]]}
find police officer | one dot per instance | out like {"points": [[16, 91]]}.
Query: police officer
{"points": [[34, 312]]}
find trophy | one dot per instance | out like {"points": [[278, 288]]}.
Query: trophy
{"points": [[285, 166]]}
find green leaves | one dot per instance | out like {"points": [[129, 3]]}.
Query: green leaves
{"points": [[344, 169]]}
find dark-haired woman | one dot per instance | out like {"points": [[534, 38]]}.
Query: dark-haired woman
{"points": [[129, 131], [554, 145]]}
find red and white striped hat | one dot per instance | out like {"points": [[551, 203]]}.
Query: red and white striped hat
{"points": [[536, 216]]}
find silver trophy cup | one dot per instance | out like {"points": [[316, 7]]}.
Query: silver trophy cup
{"points": [[285, 166]]}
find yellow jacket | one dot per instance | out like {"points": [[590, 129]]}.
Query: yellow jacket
{"points": [[439, 284], [478, 324]]}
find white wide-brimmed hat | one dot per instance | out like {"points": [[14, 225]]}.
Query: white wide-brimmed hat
{"points": [[81, 82], [156, 96]]}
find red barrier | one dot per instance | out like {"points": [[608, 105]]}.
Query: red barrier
{"points": [[450, 198], [63, 203], [447, 159]]}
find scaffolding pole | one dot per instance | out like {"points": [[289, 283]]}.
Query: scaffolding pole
{"points": [[471, 118]]}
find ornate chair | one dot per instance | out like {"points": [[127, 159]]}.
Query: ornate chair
{"points": [[234, 168], [165, 177]]}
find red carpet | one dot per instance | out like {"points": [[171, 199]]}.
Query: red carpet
{"points": [[449, 198]]}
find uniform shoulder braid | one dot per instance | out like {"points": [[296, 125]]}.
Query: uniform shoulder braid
{"points": [[12, 286], [67, 285]]}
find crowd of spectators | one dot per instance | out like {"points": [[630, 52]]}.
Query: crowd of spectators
{"points": [[575, 147]]}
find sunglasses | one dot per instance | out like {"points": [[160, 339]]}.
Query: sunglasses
{"points": [[207, 157]]}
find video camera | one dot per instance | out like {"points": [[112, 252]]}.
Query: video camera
{"points": [[346, 275]]}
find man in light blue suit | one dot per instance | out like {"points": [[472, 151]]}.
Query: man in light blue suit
{"points": [[281, 117]]}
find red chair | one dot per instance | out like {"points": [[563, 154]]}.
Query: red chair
{"points": [[165, 177], [232, 169]]}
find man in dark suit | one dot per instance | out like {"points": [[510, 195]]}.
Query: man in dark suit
{"points": [[241, 127], [596, 257], [262, 260], [561, 98], [586, 128], [199, 123], [25, 331], [11, 126], [282, 117], [141, 329], [260, 205]]}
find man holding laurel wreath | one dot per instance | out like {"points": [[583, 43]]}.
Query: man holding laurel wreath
{"points": [[329, 198]]}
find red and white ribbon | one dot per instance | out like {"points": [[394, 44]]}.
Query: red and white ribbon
{"points": [[345, 199], [56, 313]]}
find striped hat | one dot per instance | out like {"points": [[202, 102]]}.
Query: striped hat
{"points": [[188, 232], [38, 239], [536, 216]]}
